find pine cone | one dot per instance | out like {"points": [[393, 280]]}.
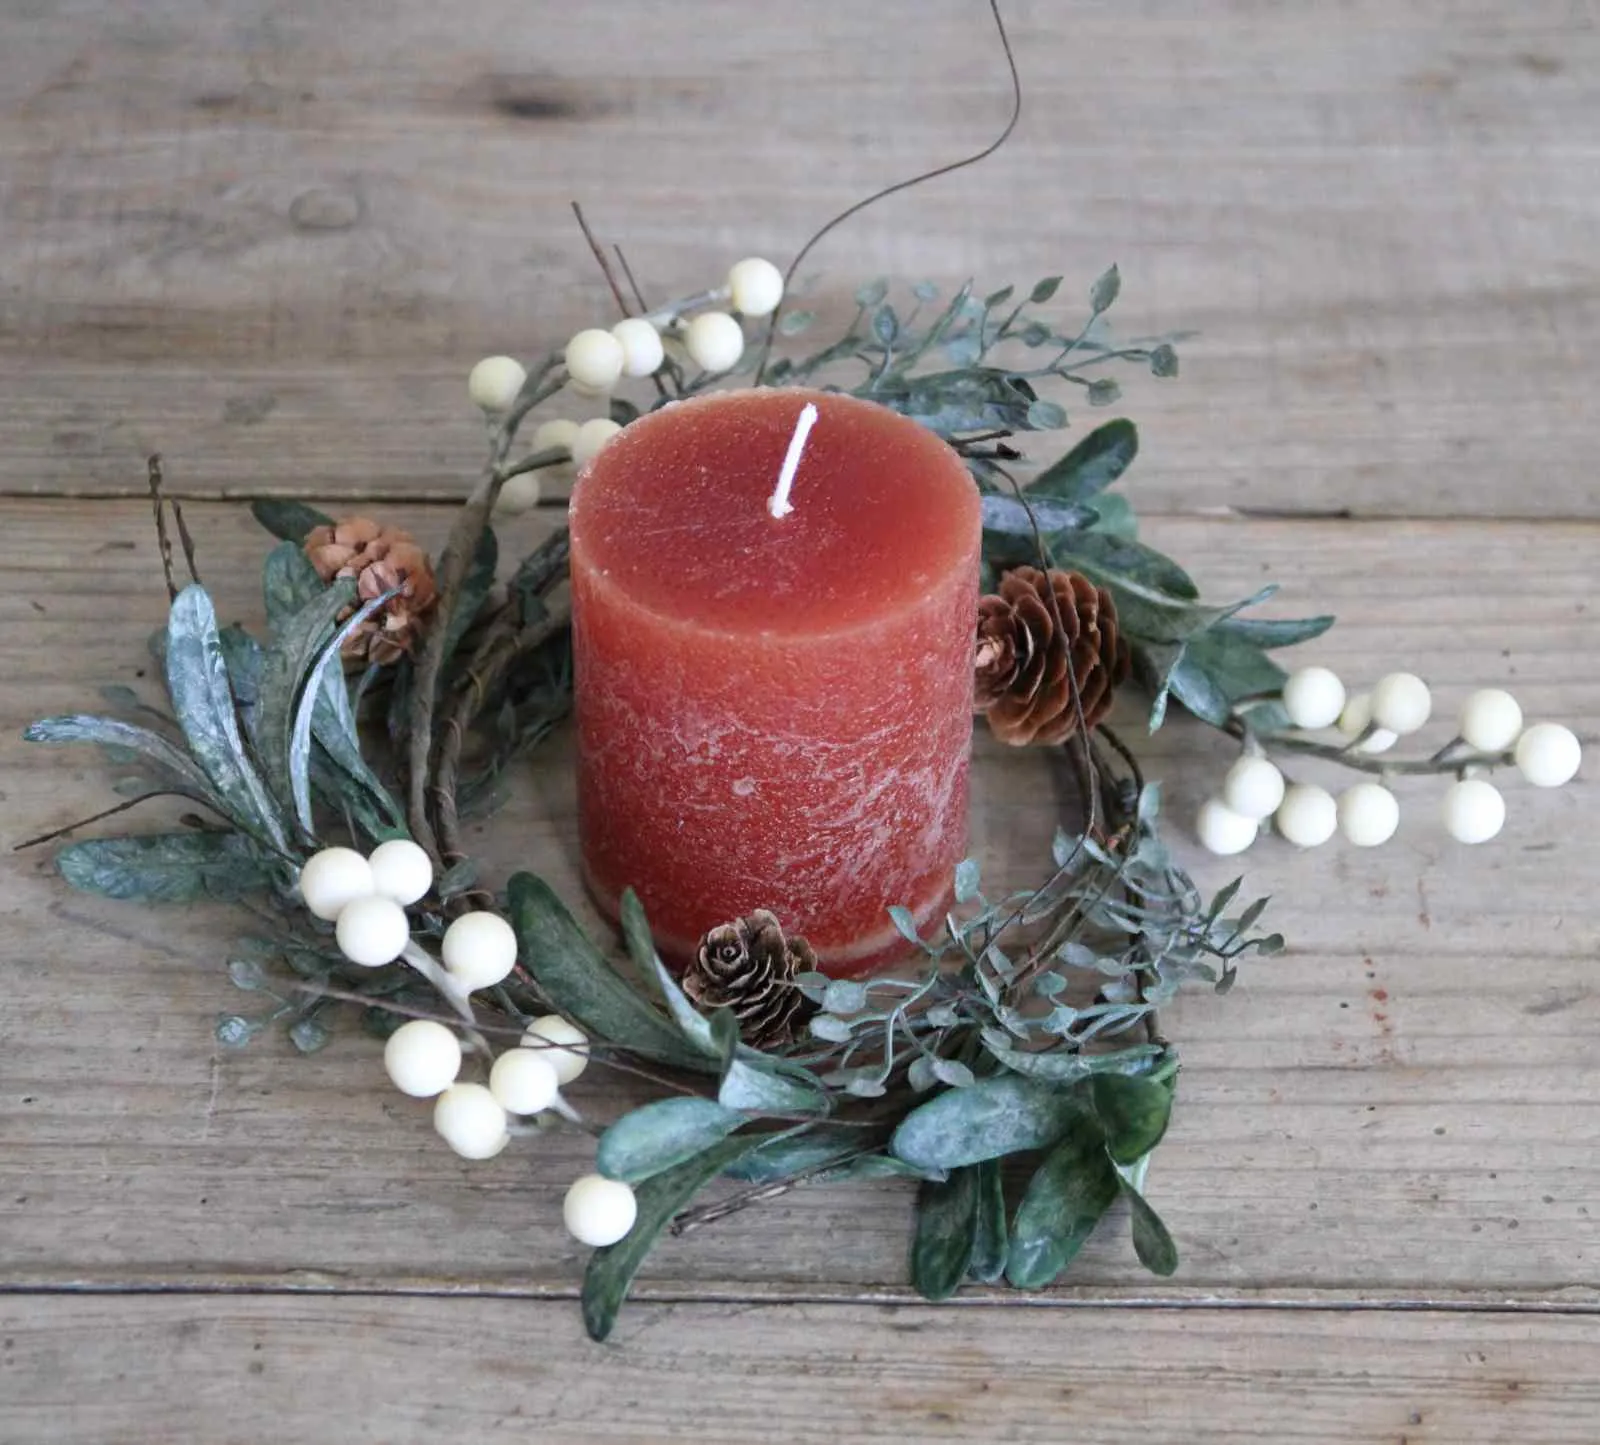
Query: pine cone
{"points": [[1020, 678], [379, 558], [749, 966]]}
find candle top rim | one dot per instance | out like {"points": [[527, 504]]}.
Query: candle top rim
{"points": [[673, 516]]}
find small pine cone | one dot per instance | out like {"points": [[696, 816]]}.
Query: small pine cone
{"points": [[379, 558], [1020, 666], [749, 966]]}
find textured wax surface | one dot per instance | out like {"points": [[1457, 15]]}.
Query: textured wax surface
{"points": [[775, 713]]}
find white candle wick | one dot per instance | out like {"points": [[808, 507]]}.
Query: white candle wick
{"points": [[779, 504]]}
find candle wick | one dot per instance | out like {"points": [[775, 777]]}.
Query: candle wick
{"points": [[779, 504]]}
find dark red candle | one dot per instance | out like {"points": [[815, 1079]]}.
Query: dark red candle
{"points": [[774, 711]]}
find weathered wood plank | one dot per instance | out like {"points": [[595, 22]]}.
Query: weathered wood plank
{"points": [[93, 1371], [1401, 1108], [271, 245]]}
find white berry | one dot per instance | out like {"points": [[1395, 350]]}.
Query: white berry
{"points": [[479, 949], [401, 870], [1223, 831], [422, 1058], [1548, 755], [756, 286], [496, 382], [642, 352], [519, 494], [1401, 702], [1473, 811], [594, 359], [715, 341], [592, 436], [523, 1082], [372, 931], [1368, 814], [470, 1120], [333, 878], [1491, 720], [563, 1043], [1253, 787], [559, 431], [599, 1211], [1312, 697], [1354, 721], [1307, 816]]}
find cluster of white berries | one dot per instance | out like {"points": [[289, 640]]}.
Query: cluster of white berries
{"points": [[366, 899], [597, 359], [1367, 813]]}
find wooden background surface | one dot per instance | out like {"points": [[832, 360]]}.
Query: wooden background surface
{"points": [[269, 240]]}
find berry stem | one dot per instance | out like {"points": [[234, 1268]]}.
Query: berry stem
{"points": [[1448, 759]]}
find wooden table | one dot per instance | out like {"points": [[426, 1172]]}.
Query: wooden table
{"points": [[268, 240]]}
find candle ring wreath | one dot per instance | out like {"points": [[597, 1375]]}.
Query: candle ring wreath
{"points": [[1016, 1067]]}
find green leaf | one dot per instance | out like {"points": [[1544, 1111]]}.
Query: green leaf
{"points": [[796, 1151], [946, 1230], [661, 1136], [640, 941], [830, 1029], [289, 521], [1067, 1196], [995, 1116], [574, 975], [1046, 416], [333, 725], [197, 680], [966, 880], [1105, 290], [1113, 515], [611, 1270], [1265, 632], [296, 648], [1133, 1113], [905, 923], [309, 1034], [1218, 668], [757, 1084], [872, 293], [108, 732], [1091, 466], [1103, 392], [288, 584], [166, 867], [1151, 1242], [844, 996], [990, 1238], [1044, 290], [1125, 561], [314, 696], [1163, 360]]}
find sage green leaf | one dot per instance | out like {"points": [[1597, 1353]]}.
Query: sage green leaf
{"points": [[576, 978], [880, 1166], [1105, 290], [611, 1270], [1151, 1242], [713, 1036], [288, 584], [995, 1116], [1132, 1111], [640, 941], [108, 732], [1091, 466], [288, 521], [1163, 360], [1044, 290], [1267, 632], [946, 1230], [990, 1235], [1217, 669], [197, 680], [662, 1135], [166, 867], [782, 1156], [1128, 561], [1058, 1065], [314, 695], [1065, 1199], [758, 1084], [333, 725], [297, 645], [1113, 514], [244, 658]]}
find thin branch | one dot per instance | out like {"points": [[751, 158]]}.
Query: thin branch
{"points": [[600, 257], [111, 812], [163, 540], [917, 180]]}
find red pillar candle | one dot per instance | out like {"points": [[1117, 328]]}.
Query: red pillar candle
{"points": [[775, 711]]}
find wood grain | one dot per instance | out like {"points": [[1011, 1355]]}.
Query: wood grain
{"points": [[270, 244], [1400, 1109], [108, 1371]]}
